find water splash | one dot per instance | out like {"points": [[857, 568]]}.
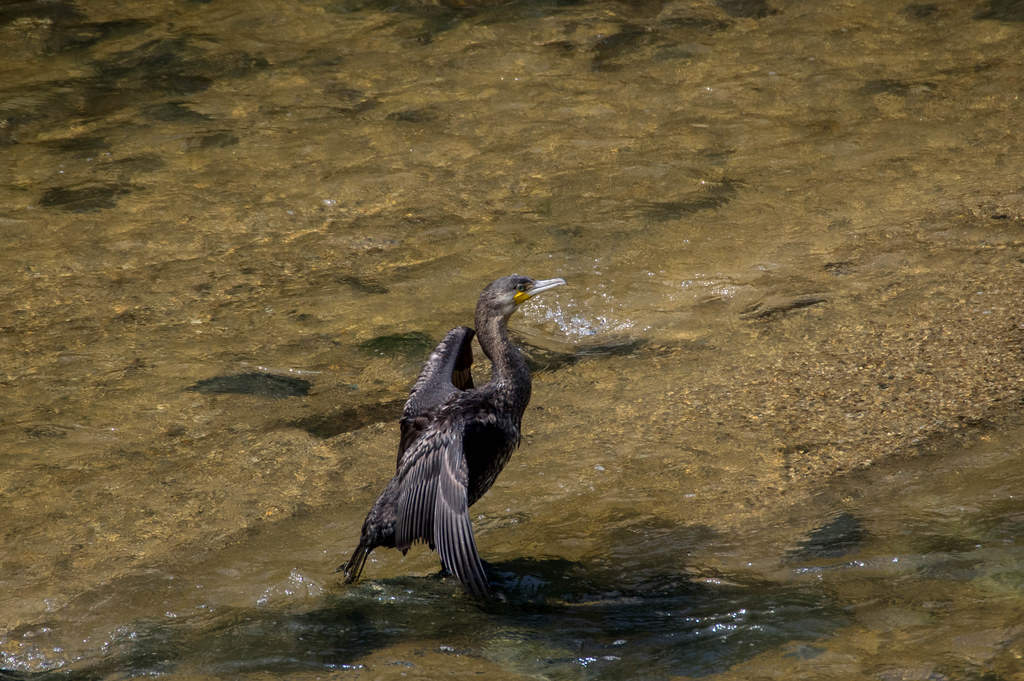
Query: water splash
{"points": [[711, 286], [577, 323]]}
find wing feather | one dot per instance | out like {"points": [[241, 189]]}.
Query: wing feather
{"points": [[415, 508], [447, 371], [433, 504], [452, 527]]}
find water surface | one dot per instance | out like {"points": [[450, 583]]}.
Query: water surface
{"points": [[775, 427]]}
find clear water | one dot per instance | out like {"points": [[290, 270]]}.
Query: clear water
{"points": [[775, 430]]}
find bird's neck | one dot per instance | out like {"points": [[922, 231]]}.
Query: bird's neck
{"points": [[508, 365]]}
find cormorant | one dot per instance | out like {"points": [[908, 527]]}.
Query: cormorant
{"points": [[455, 439]]}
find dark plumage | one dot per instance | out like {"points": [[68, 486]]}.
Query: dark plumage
{"points": [[455, 440]]}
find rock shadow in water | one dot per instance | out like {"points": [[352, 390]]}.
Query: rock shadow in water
{"points": [[84, 198], [254, 383]]}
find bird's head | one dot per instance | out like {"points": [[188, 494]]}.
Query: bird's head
{"points": [[503, 296]]}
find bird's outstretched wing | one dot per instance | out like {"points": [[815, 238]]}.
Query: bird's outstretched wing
{"points": [[418, 473], [433, 505], [453, 532], [447, 371]]}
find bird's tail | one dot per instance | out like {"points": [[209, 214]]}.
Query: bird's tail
{"points": [[354, 566]]}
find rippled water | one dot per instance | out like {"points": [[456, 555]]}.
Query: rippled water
{"points": [[775, 430], [884, 586]]}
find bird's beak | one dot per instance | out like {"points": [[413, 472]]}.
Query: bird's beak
{"points": [[539, 286]]}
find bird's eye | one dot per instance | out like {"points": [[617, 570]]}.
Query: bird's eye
{"points": [[521, 287]]}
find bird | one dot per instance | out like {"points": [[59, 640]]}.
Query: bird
{"points": [[455, 440]]}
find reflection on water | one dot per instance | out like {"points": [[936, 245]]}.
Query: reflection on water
{"points": [[774, 427]]}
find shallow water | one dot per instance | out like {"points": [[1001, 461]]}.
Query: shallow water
{"points": [[775, 429]]}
